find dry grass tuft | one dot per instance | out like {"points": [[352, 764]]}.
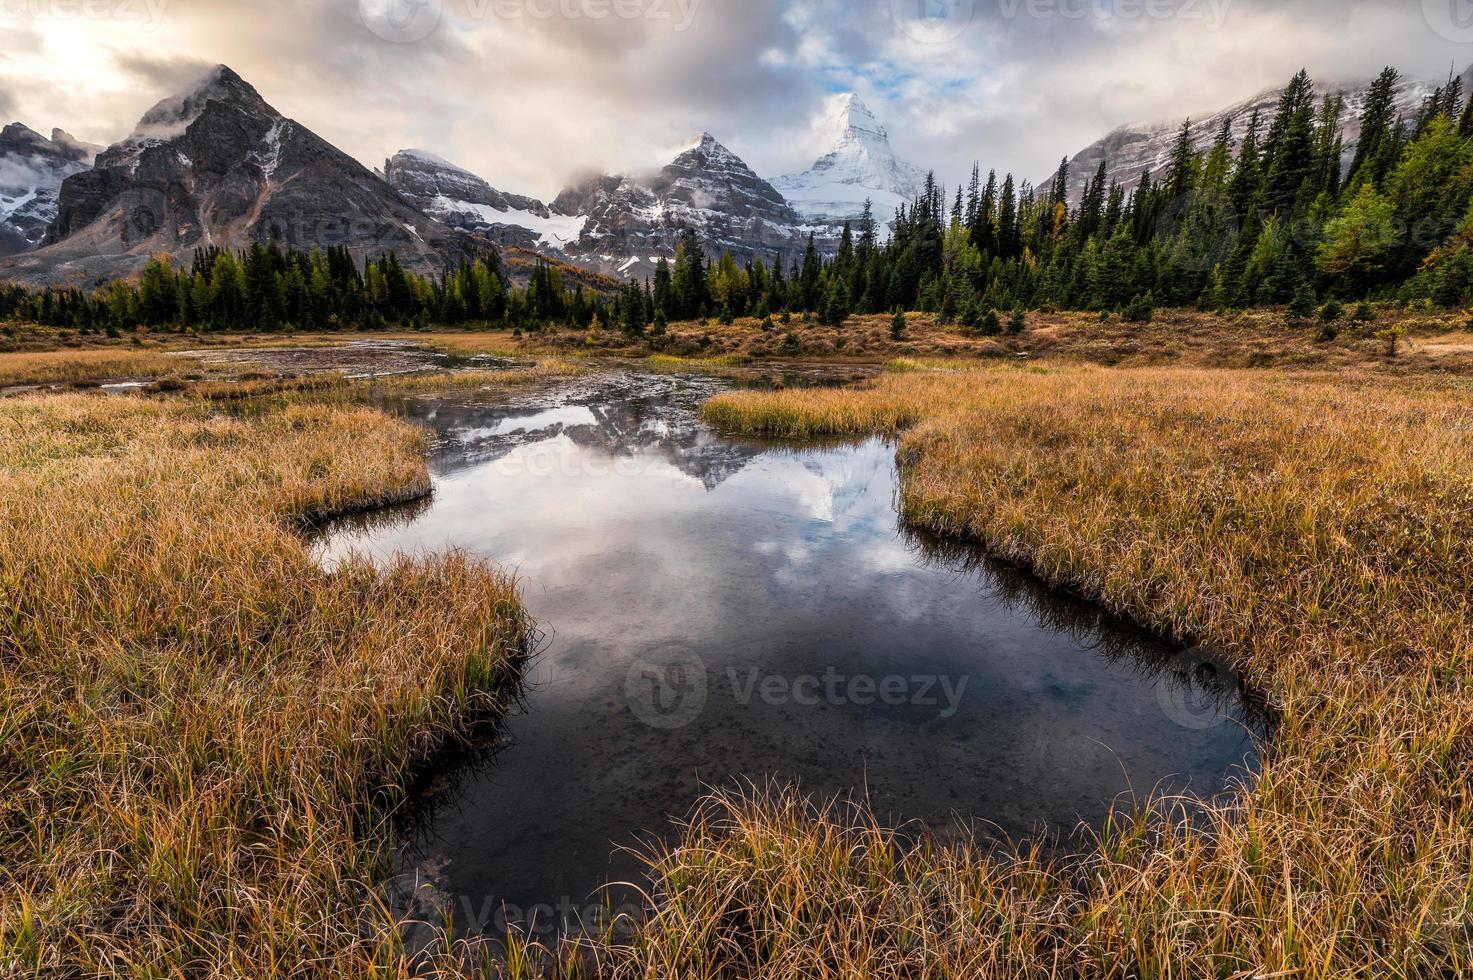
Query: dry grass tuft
{"points": [[544, 369], [201, 730]]}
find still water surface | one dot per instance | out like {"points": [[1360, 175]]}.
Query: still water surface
{"points": [[719, 609]]}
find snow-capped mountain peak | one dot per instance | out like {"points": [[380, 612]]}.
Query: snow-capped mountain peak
{"points": [[861, 166], [850, 118]]}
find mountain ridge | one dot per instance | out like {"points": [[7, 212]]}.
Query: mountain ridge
{"points": [[216, 165]]}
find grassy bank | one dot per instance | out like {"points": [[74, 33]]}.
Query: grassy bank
{"points": [[1432, 343], [84, 367], [201, 730], [1314, 529]]}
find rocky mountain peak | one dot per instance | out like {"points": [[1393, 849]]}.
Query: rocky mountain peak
{"points": [[215, 165], [170, 118], [75, 148], [631, 222], [707, 154], [19, 134]]}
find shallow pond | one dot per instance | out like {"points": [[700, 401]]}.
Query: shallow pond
{"points": [[719, 609]]}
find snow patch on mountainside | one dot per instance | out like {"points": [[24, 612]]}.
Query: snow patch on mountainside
{"points": [[270, 157], [456, 197], [552, 230]]}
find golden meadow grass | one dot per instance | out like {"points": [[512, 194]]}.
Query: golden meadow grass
{"points": [[543, 369], [81, 366], [201, 730], [1316, 530]]}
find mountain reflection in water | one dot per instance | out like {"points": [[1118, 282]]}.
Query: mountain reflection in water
{"points": [[720, 609]]}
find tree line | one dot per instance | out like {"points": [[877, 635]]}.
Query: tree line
{"points": [[1274, 214], [266, 287]]}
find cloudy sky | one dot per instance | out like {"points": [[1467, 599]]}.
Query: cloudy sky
{"points": [[529, 93]]}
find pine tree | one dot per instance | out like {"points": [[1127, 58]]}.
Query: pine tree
{"points": [[1009, 242], [1247, 175], [836, 306], [1142, 309], [1018, 322], [1375, 125], [1181, 175], [1091, 215], [1290, 148], [809, 280], [1302, 306]]}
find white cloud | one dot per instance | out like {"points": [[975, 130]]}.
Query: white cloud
{"points": [[529, 101]]}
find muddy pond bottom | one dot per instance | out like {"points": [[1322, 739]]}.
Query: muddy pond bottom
{"points": [[719, 611]]}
